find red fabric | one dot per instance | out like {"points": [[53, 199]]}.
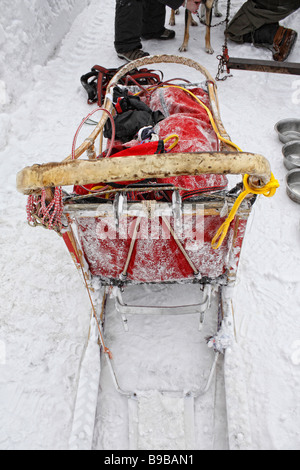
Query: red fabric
{"points": [[186, 118], [147, 148], [189, 120], [156, 256]]}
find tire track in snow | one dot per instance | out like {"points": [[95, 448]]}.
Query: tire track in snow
{"points": [[38, 405], [61, 101]]}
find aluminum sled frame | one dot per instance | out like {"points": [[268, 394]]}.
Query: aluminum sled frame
{"points": [[124, 309], [180, 393], [185, 396]]}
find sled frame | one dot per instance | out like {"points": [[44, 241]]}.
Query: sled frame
{"points": [[254, 65], [69, 172], [124, 309]]}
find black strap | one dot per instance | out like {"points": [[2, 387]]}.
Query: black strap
{"points": [[89, 82], [96, 81]]}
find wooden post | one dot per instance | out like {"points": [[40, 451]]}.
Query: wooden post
{"points": [[263, 66]]}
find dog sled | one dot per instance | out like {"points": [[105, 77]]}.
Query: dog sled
{"points": [[153, 208]]}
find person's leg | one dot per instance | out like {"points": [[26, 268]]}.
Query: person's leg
{"points": [[279, 7], [257, 22], [154, 16], [128, 25], [128, 29], [254, 14]]}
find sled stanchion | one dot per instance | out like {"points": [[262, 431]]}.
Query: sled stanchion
{"points": [[123, 275]]}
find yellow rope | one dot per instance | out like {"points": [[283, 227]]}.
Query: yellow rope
{"points": [[268, 190], [226, 141], [100, 188], [172, 136]]}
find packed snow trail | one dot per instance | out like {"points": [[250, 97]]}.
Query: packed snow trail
{"points": [[45, 312], [152, 356]]}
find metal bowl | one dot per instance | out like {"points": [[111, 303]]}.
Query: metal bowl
{"points": [[293, 184], [291, 154], [288, 130]]}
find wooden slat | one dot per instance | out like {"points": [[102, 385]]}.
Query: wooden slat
{"points": [[291, 68], [134, 168]]}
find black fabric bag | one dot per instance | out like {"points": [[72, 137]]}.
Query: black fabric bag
{"points": [[132, 115]]}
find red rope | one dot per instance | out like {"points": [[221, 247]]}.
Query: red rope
{"points": [[30, 208], [82, 123], [49, 213]]}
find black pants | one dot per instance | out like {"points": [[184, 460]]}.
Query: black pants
{"points": [[135, 19]]}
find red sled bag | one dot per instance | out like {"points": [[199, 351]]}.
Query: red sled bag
{"points": [[190, 121], [191, 124], [194, 185], [147, 148]]}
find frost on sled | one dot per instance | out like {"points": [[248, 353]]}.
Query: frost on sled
{"points": [[154, 207]]}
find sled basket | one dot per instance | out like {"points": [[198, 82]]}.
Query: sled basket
{"points": [[147, 215], [154, 207]]}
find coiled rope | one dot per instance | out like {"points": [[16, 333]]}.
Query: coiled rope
{"points": [[268, 190]]}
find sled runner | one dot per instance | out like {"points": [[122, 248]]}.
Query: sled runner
{"points": [[154, 208]]}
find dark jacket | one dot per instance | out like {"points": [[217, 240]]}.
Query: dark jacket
{"points": [[172, 3]]}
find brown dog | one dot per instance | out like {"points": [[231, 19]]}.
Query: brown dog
{"points": [[206, 15]]}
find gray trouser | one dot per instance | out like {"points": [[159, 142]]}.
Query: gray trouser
{"points": [[256, 13]]}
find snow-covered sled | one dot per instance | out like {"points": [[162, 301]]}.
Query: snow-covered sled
{"points": [[154, 208]]}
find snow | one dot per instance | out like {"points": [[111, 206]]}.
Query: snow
{"points": [[45, 313]]}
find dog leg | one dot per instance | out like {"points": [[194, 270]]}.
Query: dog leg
{"points": [[202, 13], [217, 12], [172, 18], [208, 8], [193, 22], [188, 20]]}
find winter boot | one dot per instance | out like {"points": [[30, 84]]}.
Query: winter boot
{"points": [[162, 35], [133, 55], [283, 43], [276, 38]]}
